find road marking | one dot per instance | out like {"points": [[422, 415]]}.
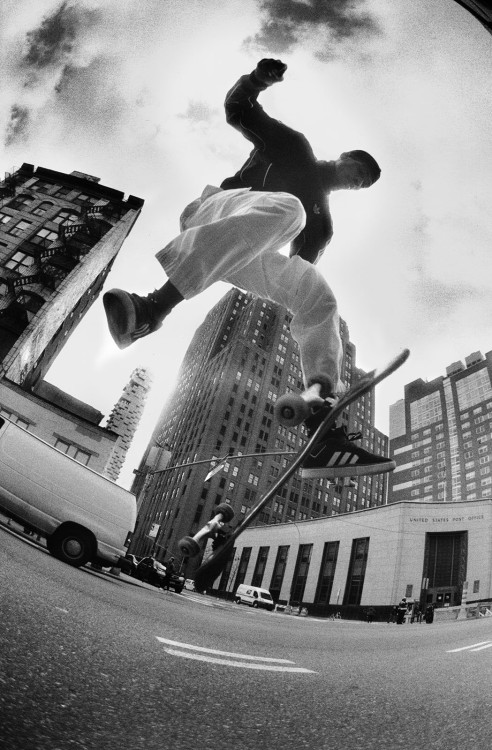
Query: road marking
{"points": [[222, 653], [240, 664], [472, 647], [200, 653], [205, 603]]}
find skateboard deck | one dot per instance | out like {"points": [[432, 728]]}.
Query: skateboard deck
{"points": [[214, 565]]}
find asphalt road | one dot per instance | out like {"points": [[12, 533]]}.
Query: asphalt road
{"points": [[90, 661]]}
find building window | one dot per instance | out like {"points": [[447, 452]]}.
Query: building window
{"points": [[425, 411], [44, 236], [21, 262], [473, 388], [5, 218], [20, 227], [62, 192], [43, 208], [83, 457], [259, 571], [279, 571], [301, 573], [21, 201], [65, 216], [357, 571], [243, 566], [327, 573], [31, 303]]}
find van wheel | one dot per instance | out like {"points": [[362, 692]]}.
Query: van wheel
{"points": [[237, 600], [255, 605], [73, 545]]}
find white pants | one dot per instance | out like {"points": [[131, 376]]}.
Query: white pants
{"points": [[235, 236]]}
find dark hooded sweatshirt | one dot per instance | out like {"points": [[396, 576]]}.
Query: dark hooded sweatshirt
{"points": [[282, 160]]}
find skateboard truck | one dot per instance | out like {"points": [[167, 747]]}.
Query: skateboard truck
{"points": [[189, 545], [293, 408]]}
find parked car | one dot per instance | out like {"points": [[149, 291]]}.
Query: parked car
{"points": [[129, 565], [152, 571], [177, 582]]}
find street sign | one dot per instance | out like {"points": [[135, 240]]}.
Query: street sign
{"points": [[154, 530], [214, 470]]}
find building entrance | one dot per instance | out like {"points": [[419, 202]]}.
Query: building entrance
{"points": [[445, 560]]}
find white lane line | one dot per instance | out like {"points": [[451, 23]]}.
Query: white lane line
{"points": [[473, 646], [199, 601], [214, 651], [205, 603], [481, 648], [240, 664]]}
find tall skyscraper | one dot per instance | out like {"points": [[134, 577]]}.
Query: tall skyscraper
{"points": [[240, 360], [441, 435], [59, 235], [125, 417]]}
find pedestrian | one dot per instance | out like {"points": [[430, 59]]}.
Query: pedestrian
{"points": [[401, 611], [170, 570], [429, 613], [392, 615], [370, 612], [234, 233]]}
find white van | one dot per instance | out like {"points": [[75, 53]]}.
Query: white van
{"points": [[84, 516], [254, 596]]}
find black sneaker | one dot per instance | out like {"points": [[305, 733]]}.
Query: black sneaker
{"points": [[130, 317], [336, 455]]}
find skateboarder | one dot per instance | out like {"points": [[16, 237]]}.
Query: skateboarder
{"points": [[234, 233]]}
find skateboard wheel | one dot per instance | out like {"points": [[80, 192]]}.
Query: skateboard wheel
{"points": [[291, 409], [189, 546], [226, 511]]}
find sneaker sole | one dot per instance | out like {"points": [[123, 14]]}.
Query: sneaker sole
{"points": [[120, 315], [351, 470]]}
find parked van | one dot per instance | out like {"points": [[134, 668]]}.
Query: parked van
{"points": [[254, 596], [84, 516]]}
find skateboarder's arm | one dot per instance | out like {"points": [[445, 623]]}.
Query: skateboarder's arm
{"points": [[245, 115]]}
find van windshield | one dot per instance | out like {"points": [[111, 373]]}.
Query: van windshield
{"points": [[265, 596]]}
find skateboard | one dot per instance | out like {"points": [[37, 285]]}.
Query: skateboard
{"points": [[292, 407]]}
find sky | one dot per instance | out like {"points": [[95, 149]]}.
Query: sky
{"points": [[132, 91]]}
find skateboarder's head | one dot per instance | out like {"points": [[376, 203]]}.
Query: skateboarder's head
{"points": [[351, 171]]}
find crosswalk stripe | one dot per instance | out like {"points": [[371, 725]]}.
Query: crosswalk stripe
{"points": [[473, 646]]}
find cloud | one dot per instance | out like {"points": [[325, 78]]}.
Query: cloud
{"points": [[54, 44], [18, 124], [199, 112], [39, 60], [286, 24]]}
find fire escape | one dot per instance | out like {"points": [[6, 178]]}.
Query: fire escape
{"points": [[49, 261]]}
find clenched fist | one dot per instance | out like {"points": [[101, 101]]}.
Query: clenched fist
{"points": [[269, 71]]}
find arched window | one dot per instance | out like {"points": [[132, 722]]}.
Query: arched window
{"points": [[43, 208]]}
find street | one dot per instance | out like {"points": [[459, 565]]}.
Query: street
{"points": [[90, 660]]}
